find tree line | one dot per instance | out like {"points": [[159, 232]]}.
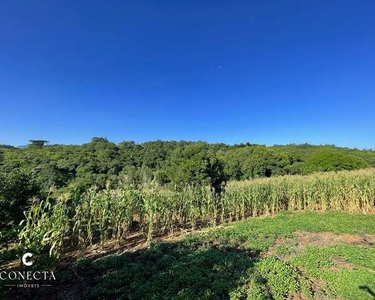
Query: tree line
{"points": [[101, 162]]}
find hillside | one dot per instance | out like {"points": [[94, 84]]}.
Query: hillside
{"points": [[101, 161], [108, 219], [305, 255]]}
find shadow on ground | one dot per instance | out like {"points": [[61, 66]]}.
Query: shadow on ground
{"points": [[368, 290], [180, 270]]}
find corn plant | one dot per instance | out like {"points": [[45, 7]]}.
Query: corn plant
{"points": [[100, 215]]}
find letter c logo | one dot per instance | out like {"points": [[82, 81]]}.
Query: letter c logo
{"points": [[24, 259]]}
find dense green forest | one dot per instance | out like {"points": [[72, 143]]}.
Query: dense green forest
{"points": [[102, 162]]}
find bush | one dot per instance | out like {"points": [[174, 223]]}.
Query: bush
{"points": [[16, 188], [332, 160]]}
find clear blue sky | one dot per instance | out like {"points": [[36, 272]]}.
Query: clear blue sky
{"points": [[270, 72]]}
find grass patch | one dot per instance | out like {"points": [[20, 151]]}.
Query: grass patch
{"points": [[343, 268], [231, 262]]}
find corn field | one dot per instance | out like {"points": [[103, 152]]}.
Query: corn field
{"points": [[73, 221]]}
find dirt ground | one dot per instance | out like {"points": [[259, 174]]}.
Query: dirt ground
{"points": [[303, 239]]}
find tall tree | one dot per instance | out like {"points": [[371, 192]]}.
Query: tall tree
{"points": [[196, 163]]}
